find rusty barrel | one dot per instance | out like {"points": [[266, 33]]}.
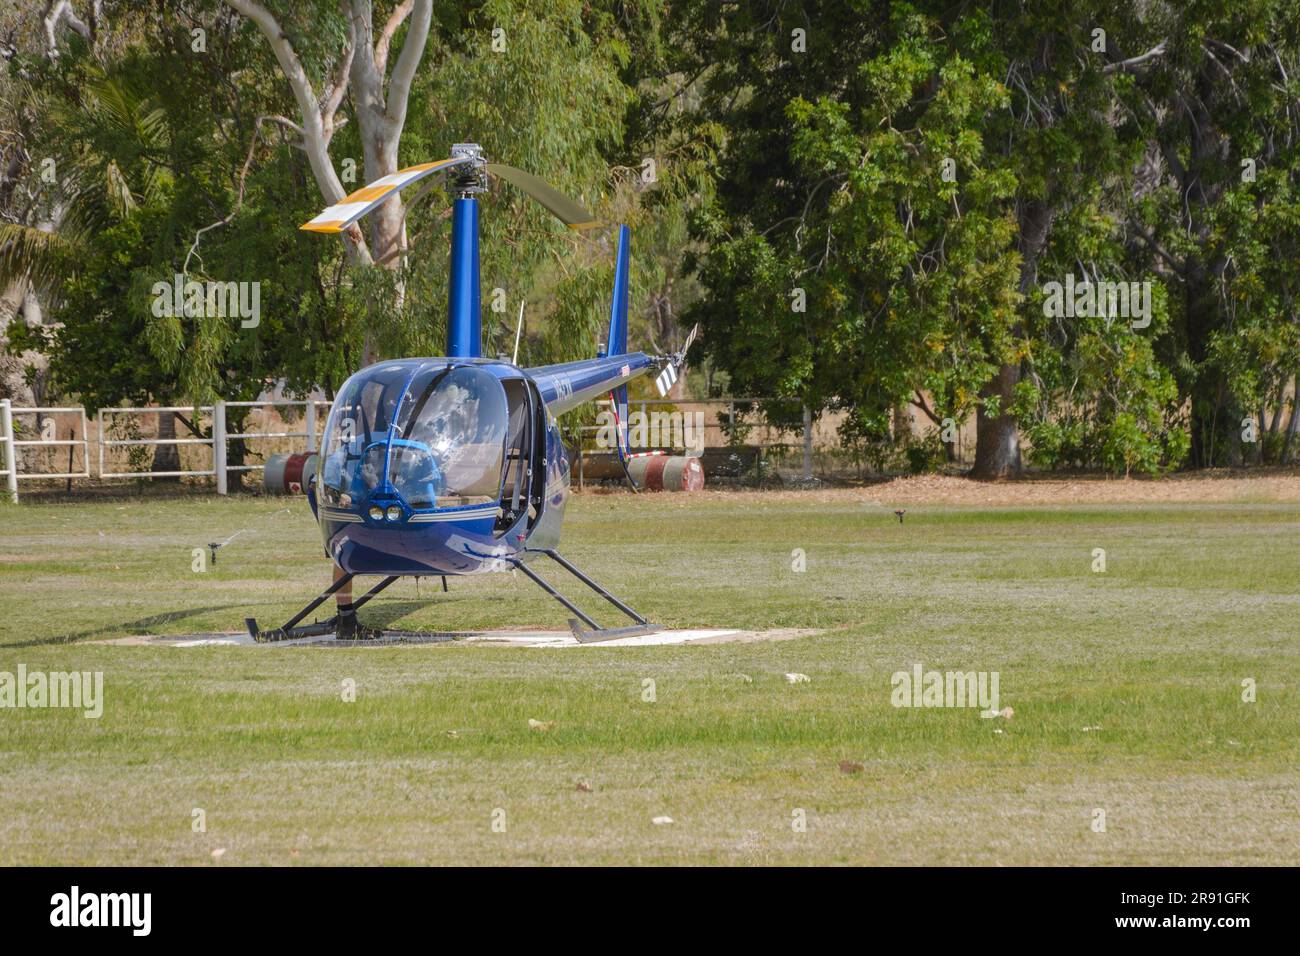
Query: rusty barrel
{"points": [[666, 472], [289, 474]]}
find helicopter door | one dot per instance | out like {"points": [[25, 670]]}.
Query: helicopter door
{"points": [[523, 478], [537, 486]]}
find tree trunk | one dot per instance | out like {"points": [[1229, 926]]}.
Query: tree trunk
{"points": [[1261, 438], [1216, 428], [22, 376], [166, 457], [380, 108], [236, 454], [997, 438], [1276, 422], [1212, 427], [1293, 425], [902, 424], [387, 227]]}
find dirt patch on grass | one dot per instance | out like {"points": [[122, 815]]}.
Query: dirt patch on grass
{"points": [[1205, 488], [1219, 486]]}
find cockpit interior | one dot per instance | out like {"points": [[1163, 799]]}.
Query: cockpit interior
{"points": [[419, 437]]}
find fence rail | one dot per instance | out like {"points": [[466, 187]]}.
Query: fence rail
{"points": [[107, 443], [113, 434], [119, 428], [11, 465], [49, 441], [725, 433]]}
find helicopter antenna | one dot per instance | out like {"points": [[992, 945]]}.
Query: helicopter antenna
{"points": [[518, 331]]}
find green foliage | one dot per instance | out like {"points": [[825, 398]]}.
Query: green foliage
{"points": [[172, 172], [920, 170], [1218, 113], [909, 279], [861, 203]]}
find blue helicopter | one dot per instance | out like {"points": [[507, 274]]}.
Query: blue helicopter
{"points": [[455, 465]]}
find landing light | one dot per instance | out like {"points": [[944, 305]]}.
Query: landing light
{"points": [[394, 512], [376, 513]]}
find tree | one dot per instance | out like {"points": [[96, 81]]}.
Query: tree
{"points": [[359, 67], [904, 177], [213, 189], [1060, 140], [883, 176], [139, 159], [1220, 111]]}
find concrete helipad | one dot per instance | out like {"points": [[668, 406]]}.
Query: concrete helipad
{"points": [[505, 638]]}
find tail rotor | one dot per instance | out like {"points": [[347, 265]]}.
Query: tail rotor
{"points": [[674, 364]]}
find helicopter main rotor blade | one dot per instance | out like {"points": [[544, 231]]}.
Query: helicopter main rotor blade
{"points": [[569, 212], [351, 208]]}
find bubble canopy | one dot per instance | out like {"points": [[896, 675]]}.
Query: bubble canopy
{"points": [[429, 433]]}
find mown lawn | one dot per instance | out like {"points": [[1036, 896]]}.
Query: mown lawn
{"points": [[1149, 657]]}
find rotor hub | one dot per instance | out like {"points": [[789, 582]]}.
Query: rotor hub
{"points": [[469, 178]]}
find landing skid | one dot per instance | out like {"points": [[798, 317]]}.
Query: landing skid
{"points": [[584, 627], [593, 633], [291, 630], [387, 637]]}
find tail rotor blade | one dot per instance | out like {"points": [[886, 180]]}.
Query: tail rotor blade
{"points": [[674, 364], [690, 340], [666, 380], [569, 212]]}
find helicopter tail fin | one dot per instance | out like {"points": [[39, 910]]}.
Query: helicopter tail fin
{"points": [[617, 343]]}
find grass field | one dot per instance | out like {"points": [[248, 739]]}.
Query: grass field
{"points": [[1149, 657]]}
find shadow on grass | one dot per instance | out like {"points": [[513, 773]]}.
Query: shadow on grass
{"points": [[377, 615], [386, 614], [126, 628]]}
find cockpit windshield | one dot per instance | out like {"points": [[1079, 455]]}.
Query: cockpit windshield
{"points": [[355, 449], [435, 432], [451, 439]]}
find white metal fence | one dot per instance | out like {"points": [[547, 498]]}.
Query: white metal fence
{"points": [[119, 428], [49, 439], [105, 443], [10, 459]]}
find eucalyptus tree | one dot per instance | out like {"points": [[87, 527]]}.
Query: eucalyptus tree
{"points": [[538, 85]]}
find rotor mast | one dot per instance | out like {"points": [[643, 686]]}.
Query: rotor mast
{"points": [[464, 305]]}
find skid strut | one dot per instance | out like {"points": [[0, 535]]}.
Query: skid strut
{"points": [[291, 631], [593, 633]]}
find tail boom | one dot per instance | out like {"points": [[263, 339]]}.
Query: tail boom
{"points": [[569, 384]]}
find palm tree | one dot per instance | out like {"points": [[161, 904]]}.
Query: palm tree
{"points": [[42, 245]]}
